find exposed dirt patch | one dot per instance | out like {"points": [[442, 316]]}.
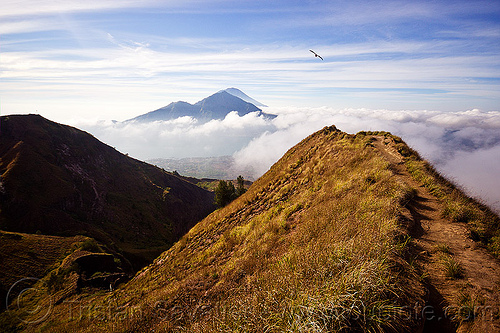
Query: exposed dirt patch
{"points": [[469, 299]]}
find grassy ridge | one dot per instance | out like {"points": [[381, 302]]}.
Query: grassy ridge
{"points": [[315, 244], [458, 207], [25, 255], [484, 224]]}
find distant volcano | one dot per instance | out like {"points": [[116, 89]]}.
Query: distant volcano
{"points": [[216, 106], [238, 93]]}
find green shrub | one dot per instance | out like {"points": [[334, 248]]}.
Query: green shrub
{"points": [[90, 245]]}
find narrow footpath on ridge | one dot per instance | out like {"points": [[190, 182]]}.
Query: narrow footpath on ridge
{"points": [[475, 295]]}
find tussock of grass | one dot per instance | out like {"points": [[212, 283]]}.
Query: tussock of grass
{"points": [[469, 306], [90, 245], [452, 268], [443, 248], [460, 209]]}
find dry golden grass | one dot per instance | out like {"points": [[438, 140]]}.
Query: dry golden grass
{"points": [[317, 244], [483, 223], [26, 255], [314, 245]]}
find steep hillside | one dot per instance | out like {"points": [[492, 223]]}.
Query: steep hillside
{"points": [[332, 238], [64, 264], [25, 255], [58, 180]]}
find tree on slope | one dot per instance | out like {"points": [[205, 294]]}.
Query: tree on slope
{"points": [[241, 186], [224, 193]]}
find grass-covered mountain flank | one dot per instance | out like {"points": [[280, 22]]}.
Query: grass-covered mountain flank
{"points": [[344, 233], [58, 180], [25, 255]]}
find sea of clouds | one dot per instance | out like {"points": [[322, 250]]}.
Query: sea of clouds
{"points": [[464, 146]]}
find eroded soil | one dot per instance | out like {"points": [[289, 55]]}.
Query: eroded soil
{"points": [[468, 303]]}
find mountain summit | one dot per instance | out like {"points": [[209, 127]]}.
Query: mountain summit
{"points": [[216, 106], [238, 93]]}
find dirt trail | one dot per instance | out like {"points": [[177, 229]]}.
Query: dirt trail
{"points": [[433, 236]]}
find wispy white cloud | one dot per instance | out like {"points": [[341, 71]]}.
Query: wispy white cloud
{"points": [[381, 14], [29, 25], [342, 13], [49, 7], [31, 8], [463, 145], [346, 71]]}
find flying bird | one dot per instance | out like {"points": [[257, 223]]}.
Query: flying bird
{"points": [[316, 55]]}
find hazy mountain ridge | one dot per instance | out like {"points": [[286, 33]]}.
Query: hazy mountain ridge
{"points": [[324, 240], [59, 180], [216, 106]]}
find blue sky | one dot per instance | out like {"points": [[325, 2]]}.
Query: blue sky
{"points": [[428, 71], [110, 59]]}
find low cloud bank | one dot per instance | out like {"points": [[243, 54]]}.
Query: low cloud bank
{"points": [[464, 146], [182, 137]]}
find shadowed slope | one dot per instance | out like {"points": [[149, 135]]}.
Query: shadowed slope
{"points": [[58, 180], [318, 233], [33, 256], [321, 242]]}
